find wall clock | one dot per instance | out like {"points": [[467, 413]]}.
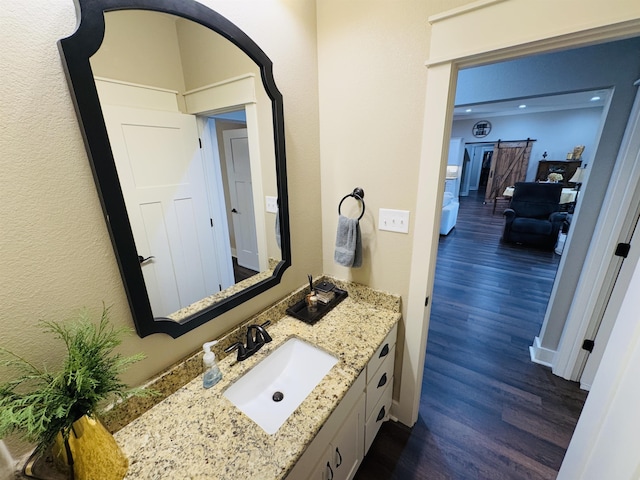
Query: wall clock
{"points": [[481, 128]]}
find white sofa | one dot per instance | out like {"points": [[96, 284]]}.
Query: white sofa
{"points": [[450, 207]]}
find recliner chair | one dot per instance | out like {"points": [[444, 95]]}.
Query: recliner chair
{"points": [[533, 217]]}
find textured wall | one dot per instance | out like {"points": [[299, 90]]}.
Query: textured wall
{"points": [[372, 83], [55, 251]]}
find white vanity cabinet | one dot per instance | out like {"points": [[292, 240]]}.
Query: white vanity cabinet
{"points": [[344, 454], [379, 387], [339, 447]]}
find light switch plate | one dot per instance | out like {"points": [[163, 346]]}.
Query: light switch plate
{"points": [[271, 204], [393, 220]]}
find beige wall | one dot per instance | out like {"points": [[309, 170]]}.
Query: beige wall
{"points": [[372, 84], [209, 58], [129, 51], [55, 251]]}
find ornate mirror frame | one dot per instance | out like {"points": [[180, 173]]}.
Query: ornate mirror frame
{"points": [[76, 51]]}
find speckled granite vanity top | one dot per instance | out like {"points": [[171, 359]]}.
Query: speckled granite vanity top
{"points": [[197, 433]]}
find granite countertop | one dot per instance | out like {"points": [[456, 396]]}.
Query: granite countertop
{"points": [[197, 433]]}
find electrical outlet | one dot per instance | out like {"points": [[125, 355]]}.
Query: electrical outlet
{"points": [[393, 220], [271, 204]]}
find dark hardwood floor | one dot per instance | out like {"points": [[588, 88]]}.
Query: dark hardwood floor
{"points": [[486, 411], [241, 273]]}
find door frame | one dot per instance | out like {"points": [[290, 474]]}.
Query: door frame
{"points": [[564, 26], [217, 205], [478, 149], [597, 281], [236, 94]]}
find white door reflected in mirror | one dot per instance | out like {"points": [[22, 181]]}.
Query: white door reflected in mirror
{"points": [[162, 178], [236, 149]]}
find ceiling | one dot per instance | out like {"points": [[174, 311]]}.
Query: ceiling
{"points": [[564, 101]]}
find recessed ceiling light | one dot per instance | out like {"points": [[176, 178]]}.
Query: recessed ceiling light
{"points": [[468, 110], [522, 106], [595, 99]]}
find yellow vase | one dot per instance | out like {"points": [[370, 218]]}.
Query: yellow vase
{"points": [[95, 455]]}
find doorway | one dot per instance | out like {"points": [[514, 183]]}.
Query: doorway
{"points": [[228, 167], [476, 167], [439, 102], [530, 38]]}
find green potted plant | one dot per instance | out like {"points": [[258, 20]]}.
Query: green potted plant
{"points": [[56, 409]]}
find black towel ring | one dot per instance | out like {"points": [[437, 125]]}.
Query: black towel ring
{"points": [[358, 194]]}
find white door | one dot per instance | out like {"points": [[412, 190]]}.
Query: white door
{"points": [[236, 152], [161, 174], [623, 271]]}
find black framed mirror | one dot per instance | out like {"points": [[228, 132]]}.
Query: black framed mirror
{"points": [[138, 228]]}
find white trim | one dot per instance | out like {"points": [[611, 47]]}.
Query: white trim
{"points": [[394, 408], [436, 132], [541, 355], [501, 36], [600, 266], [234, 92], [228, 81], [585, 386], [564, 25], [115, 92], [137, 85], [213, 174], [438, 17], [239, 92], [253, 137]]}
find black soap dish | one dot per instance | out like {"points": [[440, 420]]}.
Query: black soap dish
{"points": [[301, 311]]}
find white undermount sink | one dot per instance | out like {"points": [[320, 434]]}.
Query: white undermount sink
{"points": [[273, 389]]}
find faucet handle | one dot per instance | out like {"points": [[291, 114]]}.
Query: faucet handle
{"points": [[265, 334], [242, 352]]}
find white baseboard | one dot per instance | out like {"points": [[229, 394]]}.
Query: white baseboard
{"points": [[585, 386], [394, 408], [541, 355]]}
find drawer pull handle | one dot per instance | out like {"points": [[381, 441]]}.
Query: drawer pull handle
{"points": [[383, 380], [385, 351], [381, 414], [330, 477], [339, 462]]}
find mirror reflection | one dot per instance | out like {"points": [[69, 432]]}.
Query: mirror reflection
{"points": [[191, 131]]}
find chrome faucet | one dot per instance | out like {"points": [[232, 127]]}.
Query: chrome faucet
{"points": [[257, 336]]}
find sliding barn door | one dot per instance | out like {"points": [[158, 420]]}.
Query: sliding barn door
{"points": [[508, 166]]}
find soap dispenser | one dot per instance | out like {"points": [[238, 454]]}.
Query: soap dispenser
{"points": [[210, 372]]}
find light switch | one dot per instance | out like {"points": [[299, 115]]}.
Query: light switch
{"points": [[271, 204], [393, 220]]}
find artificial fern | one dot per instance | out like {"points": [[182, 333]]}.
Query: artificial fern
{"points": [[38, 404]]}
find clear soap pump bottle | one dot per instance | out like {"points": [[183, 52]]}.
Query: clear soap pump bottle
{"points": [[210, 372]]}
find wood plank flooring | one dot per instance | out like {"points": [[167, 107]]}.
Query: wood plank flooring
{"points": [[486, 411]]}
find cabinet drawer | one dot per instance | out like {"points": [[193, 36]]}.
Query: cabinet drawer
{"points": [[380, 414], [381, 380], [384, 351]]}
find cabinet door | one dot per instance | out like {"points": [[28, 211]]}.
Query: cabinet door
{"points": [[347, 447], [325, 469]]}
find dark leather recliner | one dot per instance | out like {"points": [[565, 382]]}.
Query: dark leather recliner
{"points": [[533, 217]]}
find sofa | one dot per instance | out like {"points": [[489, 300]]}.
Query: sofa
{"points": [[450, 207]]}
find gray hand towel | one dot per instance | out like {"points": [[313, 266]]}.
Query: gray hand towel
{"points": [[348, 242]]}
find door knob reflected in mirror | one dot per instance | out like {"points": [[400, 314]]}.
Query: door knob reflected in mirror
{"points": [[233, 210], [142, 259]]}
